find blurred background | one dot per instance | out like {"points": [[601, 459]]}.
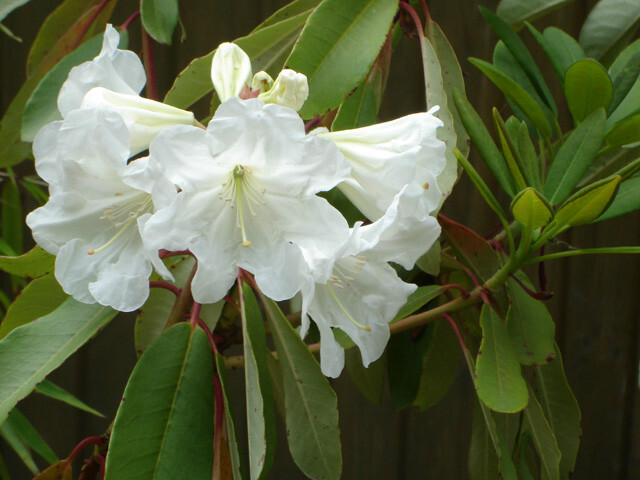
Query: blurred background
{"points": [[596, 304]]}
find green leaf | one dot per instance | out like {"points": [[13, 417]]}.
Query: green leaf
{"points": [[165, 421], [369, 380], [42, 107], [531, 209], [608, 27], [530, 325], [561, 410], [237, 461], [543, 438], [260, 414], [35, 263], [483, 142], [574, 158], [418, 299], [439, 366], [337, 48], [624, 79], [405, 354], [360, 109], [588, 203], [483, 461], [625, 133], [41, 297], [521, 54], [562, 49], [499, 384], [30, 436], [587, 87], [10, 5], [4, 473], [294, 8], [159, 18], [310, 403], [52, 390], [263, 47], [12, 216], [627, 200], [509, 150], [17, 444], [529, 163], [515, 12], [29, 353], [517, 95]]}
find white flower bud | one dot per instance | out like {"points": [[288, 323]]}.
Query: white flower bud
{"points": [[261, 81], [230, 70], [289, 90]]}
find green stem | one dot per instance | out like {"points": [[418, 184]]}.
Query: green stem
{"points": [[586, 251]]}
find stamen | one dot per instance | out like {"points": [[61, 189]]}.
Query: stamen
{"points": [[93, 251], [344, 310]]}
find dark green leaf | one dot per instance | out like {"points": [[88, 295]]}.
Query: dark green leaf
{"points": [[626, 132], [237, 460], [530, 325], [260, 414], [369, 380], [627, 200], [509, 150], [9, 5], [587, 87], [29, 353], [515, 12], [52, 390], [41, 297], [311, 412], [4, 473], [35, 263], [293, 9], [499, 383], [12, 216], [359, 109], [417, 300], [543, 438], [588, 203], [530, 164], [561, 410], [164, 426], [624, 80], [30, 436], [483, 461], [562, 49], [159, 18], [439, 366], [17, 444], [516, 94], [483, 142], [574, 158], [337, 48]]}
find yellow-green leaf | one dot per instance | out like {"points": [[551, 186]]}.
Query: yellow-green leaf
{"points": [[531, 209], [589, 203]]}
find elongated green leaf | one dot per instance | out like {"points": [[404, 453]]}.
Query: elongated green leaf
{"points": [[543, 437], [575, 157], [41, 297], [439, 366], [516, 94], [52, 390], [608, 26], [260, 414], [530, 164], [29, 353], [42, 106], [561, 410], [310, 403], [588, 203], [417, 300], [12, 216], [499, 384], [627, 200], [159, 18], [483, 460], [515, 12], [10, 5], [54, 28], [625, 133], [509, 150], [30, 436], [291, 10], [369, 380], [337, 48], [521, 54], [263, 47], [237, 461], [531, 209], [530, 326], [561, 48], [4, 473], [587, 87], [35, 263], [359, 109], [164, 426], [624, 80], [8, 433], [484, 143]]}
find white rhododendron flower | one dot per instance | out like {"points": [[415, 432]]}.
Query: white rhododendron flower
{"points": [[112, 81], [387, 156], [363, 293], [247, 199], [231, 74], [98, 203]]}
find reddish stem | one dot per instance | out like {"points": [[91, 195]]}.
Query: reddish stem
{"points": [[149, 57], [167, 286], [542, 272], [195, 313], [537, 295], [457, 286], [416, 19], [129, 20], [231, 302], [82, 445], [92, 19], [425, 9], [168, 253], [212, 341], [312, 123], [452, 322], [219, 420]]}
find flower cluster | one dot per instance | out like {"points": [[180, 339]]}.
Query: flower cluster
{"points": [[240, 194]]}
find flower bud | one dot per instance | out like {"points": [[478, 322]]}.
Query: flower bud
{"points": [[289, 90], [261, 81], [230, 70]]}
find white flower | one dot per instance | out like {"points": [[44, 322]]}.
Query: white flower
{"points": [[98, 202], [231, 74], [112, 81], [363, 293], [247, 199], [387, 156]]}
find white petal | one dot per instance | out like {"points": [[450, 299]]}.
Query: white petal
{"points": [[289, 90], [230, 70]]}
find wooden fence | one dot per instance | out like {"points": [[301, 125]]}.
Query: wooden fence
{"points": [[596, 302]]}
